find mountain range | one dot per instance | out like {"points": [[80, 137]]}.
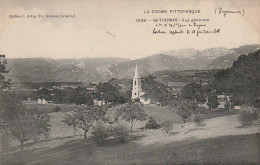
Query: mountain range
{"points": [[103, 69], [227, 60], [60, 70], [185, 59]]}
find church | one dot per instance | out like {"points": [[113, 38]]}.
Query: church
{"points": [[137, 88]]}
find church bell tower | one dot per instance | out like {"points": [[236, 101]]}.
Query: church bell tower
{"points": [[136, 92]]}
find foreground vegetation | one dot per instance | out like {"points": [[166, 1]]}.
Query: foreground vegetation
{"points": [[222, 150]]}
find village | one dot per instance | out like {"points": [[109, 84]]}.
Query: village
{"points": [[223, 99]]}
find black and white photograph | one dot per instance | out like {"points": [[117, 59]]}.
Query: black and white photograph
{"points": [[129, 82]]}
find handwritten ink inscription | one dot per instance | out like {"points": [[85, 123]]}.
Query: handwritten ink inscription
{"points": [[226, 12]]}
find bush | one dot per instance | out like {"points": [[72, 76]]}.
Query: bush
{"points": [[166, 126], [198, 119], [100, 133], [120, 132], [152, 124], [248, 115], [57, 108]]}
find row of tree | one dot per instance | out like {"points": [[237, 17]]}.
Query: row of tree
{"points": [[81, 95], [85, 118]]}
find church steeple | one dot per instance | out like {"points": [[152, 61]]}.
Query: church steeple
{"points": [[136, 92], [136, 72]]}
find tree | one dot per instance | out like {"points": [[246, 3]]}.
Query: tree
{"points": [[58, 96], [43, 93], [87, 117], [156, 91], [70, 95], [3, 83], [10, 102], [131, 112], [71, 120], [198, 119], [108, 92], [83, 97], [213, 101], [4, 114], [28, 125], [193, 91], [184, 108]]}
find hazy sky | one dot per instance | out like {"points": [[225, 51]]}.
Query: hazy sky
{"points": [[108, 28]]}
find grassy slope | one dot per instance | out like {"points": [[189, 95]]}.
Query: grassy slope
{"points": [[235, 149], [222, 150]]}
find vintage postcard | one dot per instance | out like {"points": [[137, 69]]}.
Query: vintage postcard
{"points": [[144, 82]]}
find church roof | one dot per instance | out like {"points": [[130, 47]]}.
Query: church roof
{"points": [[136, 72]]}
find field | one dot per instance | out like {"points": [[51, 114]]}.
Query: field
{"points": [[48, 108], [220, 140]]}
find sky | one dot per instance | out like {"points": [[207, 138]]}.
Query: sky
{"points": [[108, 28]]}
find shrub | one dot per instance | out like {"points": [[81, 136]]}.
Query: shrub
{"points": [[166, 126], [120, 132], [248, 115], [152, 124], [100, 133], [198, 119], [57, 108]]}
